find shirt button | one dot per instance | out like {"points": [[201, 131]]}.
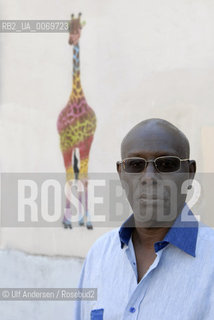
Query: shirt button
{"points": [[132, 309]]}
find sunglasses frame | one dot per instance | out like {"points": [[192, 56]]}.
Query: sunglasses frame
{"points": [[122, 162]]}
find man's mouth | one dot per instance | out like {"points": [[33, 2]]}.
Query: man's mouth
{"points": [[146, 196]]}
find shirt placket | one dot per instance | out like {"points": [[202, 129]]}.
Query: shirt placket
{"points": [[133, 306]]}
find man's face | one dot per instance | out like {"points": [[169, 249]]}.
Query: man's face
{"points": [[155, 197]]}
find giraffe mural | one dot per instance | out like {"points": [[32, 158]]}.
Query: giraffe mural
{"points": [[76, 126]]}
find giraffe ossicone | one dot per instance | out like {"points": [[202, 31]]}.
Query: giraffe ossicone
{"points": [[76, 126]]}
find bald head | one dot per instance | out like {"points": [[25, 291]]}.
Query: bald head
{"points": [[158, 133]]}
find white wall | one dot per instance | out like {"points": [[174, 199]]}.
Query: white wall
{"points": [[146, 59], [19, 270]]}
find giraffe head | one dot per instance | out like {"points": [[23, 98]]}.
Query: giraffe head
{"points": [[75, 29]]}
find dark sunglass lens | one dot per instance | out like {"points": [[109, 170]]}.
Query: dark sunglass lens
{"points": [[134, 165], [168, 164]]}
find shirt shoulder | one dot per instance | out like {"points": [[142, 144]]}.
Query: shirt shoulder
{"points": [[205, 232], [104, 249], [104, 243], [205, 242]]}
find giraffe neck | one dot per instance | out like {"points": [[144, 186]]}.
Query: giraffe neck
{"points": [[76, 87]]}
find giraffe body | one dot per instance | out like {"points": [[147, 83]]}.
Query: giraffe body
{"points": [[76, 126]]}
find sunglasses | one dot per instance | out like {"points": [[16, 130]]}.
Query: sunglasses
{"points": [[163, 164]]}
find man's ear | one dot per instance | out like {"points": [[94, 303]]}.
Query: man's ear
{"points": [[119, 167], [192, 169], [119, 171]]}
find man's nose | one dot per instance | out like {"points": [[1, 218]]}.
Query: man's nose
{"points": [[149, 175]]}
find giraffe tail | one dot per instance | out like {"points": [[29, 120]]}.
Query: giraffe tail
{"points": [[75, 165]]}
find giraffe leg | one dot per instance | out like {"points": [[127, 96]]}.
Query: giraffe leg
{"points": [[88, 220], [67, 214], [83, 175], [76, 173], [70, 175], [81, 208]]}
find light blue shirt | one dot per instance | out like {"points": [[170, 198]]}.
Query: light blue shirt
{"points": [[179, 285]]}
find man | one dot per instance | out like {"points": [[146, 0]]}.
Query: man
{"points": [[160, 263]]}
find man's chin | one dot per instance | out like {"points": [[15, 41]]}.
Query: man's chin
{"points": [[154, 216], [153, 224]]}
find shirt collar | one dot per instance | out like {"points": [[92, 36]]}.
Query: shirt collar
{"points": [[182, 234]]}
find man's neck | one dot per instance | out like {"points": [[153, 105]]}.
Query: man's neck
{"points": [[146, 237]]}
